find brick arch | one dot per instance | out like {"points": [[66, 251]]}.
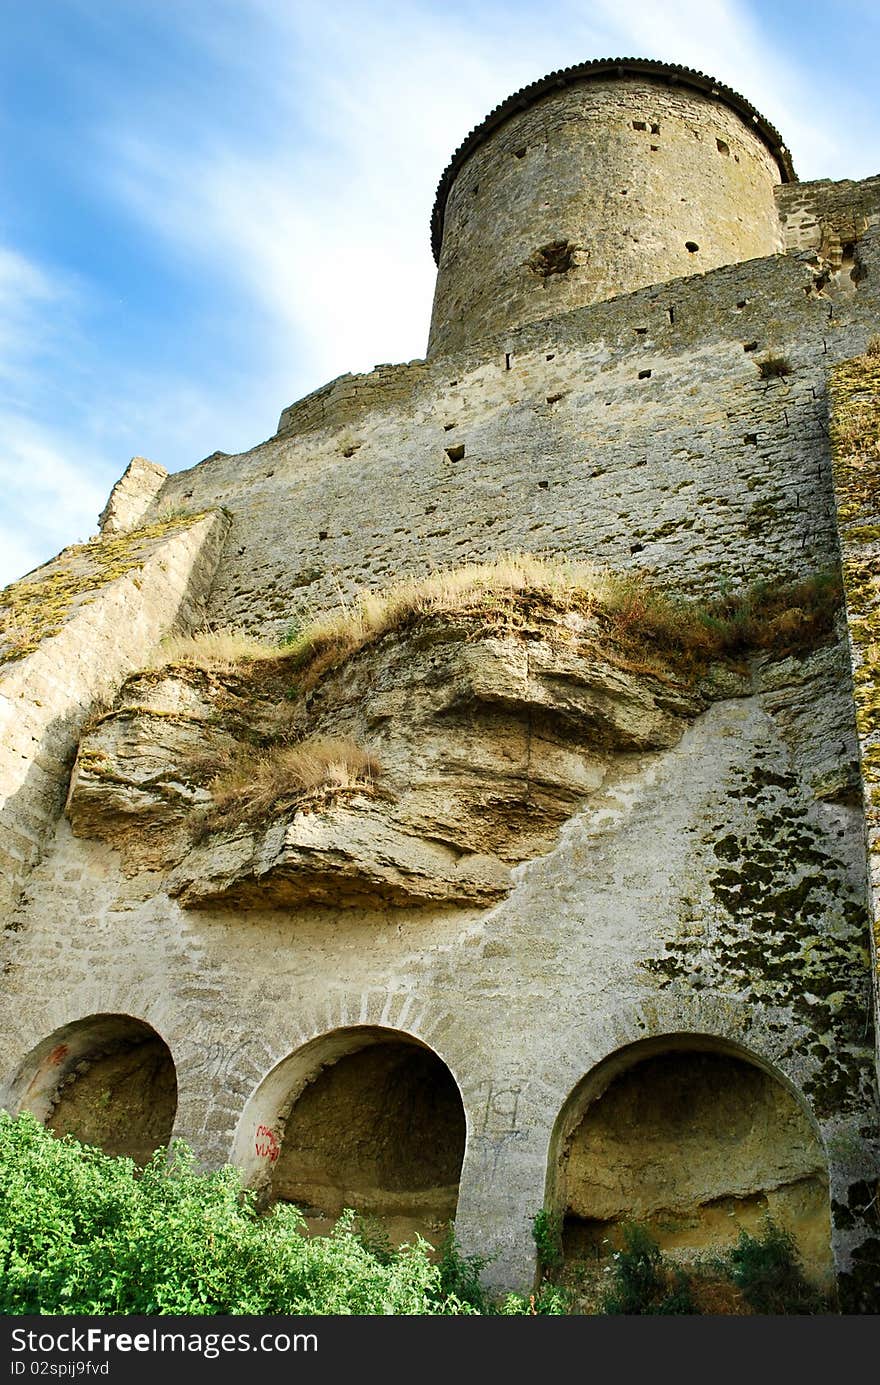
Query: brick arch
{"points": [[367, 1116], [696, 1135], [265, 1112], [108, 1079], [593, 1040], [261, 1062]]}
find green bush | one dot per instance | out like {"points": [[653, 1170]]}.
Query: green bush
{"points": [[767, 1269], [460, 1275], [81, 1232], [642, 1282], [547, 1235], [552, 1301]]}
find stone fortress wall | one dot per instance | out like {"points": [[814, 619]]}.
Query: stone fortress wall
{"points": [[696, 926]]}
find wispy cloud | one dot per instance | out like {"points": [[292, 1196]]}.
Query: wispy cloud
{"points": [[30, 302], [50, 498]]}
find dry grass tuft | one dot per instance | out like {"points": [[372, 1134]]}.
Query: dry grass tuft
{"points": [[873, 346], [627, 620], [490, 590], [633, 622], [212, 650], [254, 783]]}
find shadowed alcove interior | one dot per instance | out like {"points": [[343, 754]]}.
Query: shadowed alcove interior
{"points": [[107, 1080], [696, 1141], [378, 1127]]}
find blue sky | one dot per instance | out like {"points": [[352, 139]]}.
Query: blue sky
{"points": [[210, 207]]}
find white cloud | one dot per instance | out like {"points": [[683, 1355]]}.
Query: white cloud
{"points": [[49, 496], [30, 301]]}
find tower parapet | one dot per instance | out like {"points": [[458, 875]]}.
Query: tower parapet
{"points": [[595, 181]]}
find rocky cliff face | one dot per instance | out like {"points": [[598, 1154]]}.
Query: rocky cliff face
{"points": [[70, 632], [487, 733]]}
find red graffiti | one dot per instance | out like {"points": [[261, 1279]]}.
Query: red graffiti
{"points": [[266, 1144], [58, 1054]]}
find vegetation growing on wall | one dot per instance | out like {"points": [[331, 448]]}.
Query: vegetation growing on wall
{"points": [[618, 619], [855, 438], [631, 621], [760, 1274], [253, 784], [82, 1232], [36, 607]]}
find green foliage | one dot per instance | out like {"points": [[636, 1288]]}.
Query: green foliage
{"points": [[552, 1301], [292, 630], [767, 1269], [642, 1283], [785, 618], [81, 1232], [547, 1235], [373, 1236], [460, 1274]]}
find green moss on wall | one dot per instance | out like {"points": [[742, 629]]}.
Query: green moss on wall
{"points": [[787, 930], [855, 444], [36, 607]]}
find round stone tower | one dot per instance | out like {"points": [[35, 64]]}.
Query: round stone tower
{"points": [[595, 181]]}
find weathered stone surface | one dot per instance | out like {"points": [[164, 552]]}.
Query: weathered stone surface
{"points": [[141, 769], [487, 742], [345, 856], [46, 697], [126, 780], [132, 495], [817, 215]]}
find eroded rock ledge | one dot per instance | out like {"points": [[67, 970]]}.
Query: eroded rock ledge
{"points": [[489, 738]]}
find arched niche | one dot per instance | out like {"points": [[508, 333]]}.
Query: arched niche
{"points": [[695, 1139], [108, 1080], [364, 1117]]}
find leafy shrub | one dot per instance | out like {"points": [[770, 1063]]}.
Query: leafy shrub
{"points": [[760, 1273], [551, 1301], [82, 1232], [547, 1235], [767, 1269], [460, 1274], [642, 1282]]}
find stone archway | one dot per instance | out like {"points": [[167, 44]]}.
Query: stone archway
{"points": [[366, 1118], [696, 1141], [108, 1080]]}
